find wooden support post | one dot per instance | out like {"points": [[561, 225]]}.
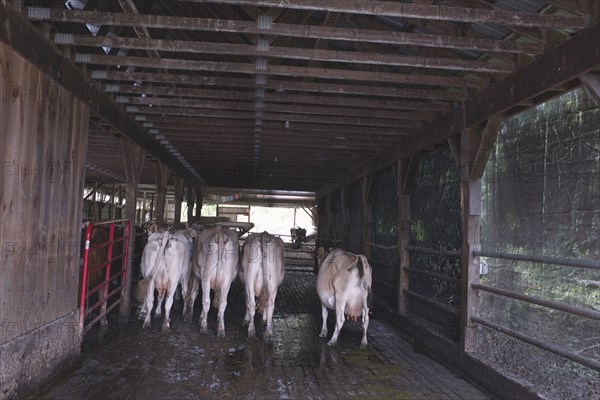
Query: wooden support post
{"points": [[178, 198], [121, 200], [133, 158], [471, 210], [199, 201], [190, 204], [152, 206], [329, 203], [161, 173], [112, 207], [404, 183], [345, 216], [367, 214]]}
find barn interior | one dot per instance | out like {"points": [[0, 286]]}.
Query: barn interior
{"points": [[455, 143]]}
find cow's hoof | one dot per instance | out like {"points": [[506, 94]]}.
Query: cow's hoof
{"points": [[146, 325], [332, 343], [323, 334], [165, 329], [268, 339], [364, 345], [246, 323], [204, 330], [221, 334]]}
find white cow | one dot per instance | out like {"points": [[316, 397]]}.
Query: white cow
{"points": [[344, 285], [263, 269], [171, 253], [215, 261]]}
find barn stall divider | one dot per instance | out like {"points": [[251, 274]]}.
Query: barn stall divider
{"points": [[96, 274]]}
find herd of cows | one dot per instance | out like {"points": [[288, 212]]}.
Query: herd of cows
{"points": [[210, 259]]}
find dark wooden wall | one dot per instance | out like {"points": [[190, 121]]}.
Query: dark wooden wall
{"points": [[43, 144]]}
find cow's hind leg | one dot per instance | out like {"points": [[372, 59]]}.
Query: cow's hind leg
{"points": [[340, 306], [268, 313], [190, 298], [168, 304], [149, 303], [205, 306], [365, 321], [324, 313], [250, 311], [222, 306]]}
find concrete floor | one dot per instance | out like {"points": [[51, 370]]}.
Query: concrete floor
{"points": [[136, 364]]}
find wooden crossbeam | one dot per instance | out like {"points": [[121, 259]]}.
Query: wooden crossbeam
{"points": [[221, 123], [291, 90], [276, 29], [317, 119], [486, 144], [293, 71], [275, 108], [284, 53], [421, 11], [591, 82], [248, 94]]}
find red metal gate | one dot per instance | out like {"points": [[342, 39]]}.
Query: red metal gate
{"points": [[98, 257]]}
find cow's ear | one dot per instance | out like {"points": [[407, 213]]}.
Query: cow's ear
{"points": [[320, 252], [192, 232]]}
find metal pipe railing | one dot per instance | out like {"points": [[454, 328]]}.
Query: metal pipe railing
{"points": [[568, 262], [593, 364], [102, 286], [588, 313]]}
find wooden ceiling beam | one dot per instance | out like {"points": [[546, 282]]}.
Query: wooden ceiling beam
{"points": [[200, 135], [289, 90], [422, 11], [276, 29], [276, 108], [390, 59], [219, 123], [291, 118], [271, 96], [280, 70]]}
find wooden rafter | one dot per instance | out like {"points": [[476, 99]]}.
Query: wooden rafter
{"points": [[302, 31], [293, 71], [284, 52], [274, 108], [293, 89], [426, 111], [409, 10]]}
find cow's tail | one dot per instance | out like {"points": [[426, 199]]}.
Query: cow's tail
{"points": [[221, 240], [264, 294]]}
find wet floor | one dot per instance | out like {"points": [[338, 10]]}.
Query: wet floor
{"points": [[140, 364]]}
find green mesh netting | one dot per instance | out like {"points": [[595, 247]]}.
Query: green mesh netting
{"points": [[541, 196], [436, 224]]}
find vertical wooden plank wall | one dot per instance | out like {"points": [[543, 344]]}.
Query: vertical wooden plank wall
{"points": [[43, 136]]}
